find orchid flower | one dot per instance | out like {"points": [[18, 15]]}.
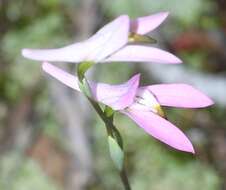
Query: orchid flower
{"points": [[122, 40], [143, 104]]}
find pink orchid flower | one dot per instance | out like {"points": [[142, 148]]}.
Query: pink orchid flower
{"points": [[111, 43], [143, 104]]}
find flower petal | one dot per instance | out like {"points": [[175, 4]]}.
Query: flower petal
{"points": [[179, 95], [64, 77], [160, 129], [146, 24], [139, 53], [106, 41], [72, 53], [111, 38], [116, 96]]}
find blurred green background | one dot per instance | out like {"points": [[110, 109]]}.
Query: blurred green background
{"points": [[49, 137]]}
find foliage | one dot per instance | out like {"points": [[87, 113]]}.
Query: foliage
{"points": [[42, 32], [180, 10], [19, 174]]}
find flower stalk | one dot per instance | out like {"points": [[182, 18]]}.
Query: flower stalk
{"points": [[107, 115]]}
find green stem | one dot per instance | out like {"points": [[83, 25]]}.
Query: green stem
{"points": [[110, 127], [112, 130], [101, 114], [125, 180]]}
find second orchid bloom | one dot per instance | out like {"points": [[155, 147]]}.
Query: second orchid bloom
{"points": [[143, 104]]}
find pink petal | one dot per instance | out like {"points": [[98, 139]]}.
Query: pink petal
{"points": [[139, 53], [106, 41], [62, 76], [146, 24], [111, 38], [116, 96], [72, 53], [179, 95], [161, 129]]}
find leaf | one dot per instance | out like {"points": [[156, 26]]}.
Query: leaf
{"points": [[117, 154]]}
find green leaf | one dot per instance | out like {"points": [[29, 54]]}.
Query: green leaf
{"points": [[117, 154]]}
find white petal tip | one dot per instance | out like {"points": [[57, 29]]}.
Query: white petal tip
{"points": [[171, 59], [45, 65], [137, 76], [124, 17], [187, 148], [30, 54], [176, 60], [208, 103], [165, 14], [191, 150], [25, 52]]}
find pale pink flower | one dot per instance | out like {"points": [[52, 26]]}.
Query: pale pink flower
{"points": [[143, 104], [111, 43]]}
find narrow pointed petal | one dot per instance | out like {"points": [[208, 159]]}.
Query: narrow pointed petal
{"points": [[62, 76], [116, 96], [138, 53], [179, 95], [160, 129], [146, 24], [106, 41], [72, 53]]}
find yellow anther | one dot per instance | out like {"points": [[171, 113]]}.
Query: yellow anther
{"points": [[159, 110]]}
